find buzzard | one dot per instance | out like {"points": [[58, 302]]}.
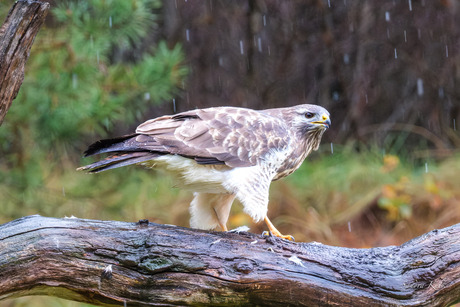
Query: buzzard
{"points": [[221, 154]]}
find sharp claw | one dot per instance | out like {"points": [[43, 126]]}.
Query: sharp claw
{"points": [[285, 237]]}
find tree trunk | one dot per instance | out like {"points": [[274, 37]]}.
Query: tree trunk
{"points": [[117, 263], [17, 35]]}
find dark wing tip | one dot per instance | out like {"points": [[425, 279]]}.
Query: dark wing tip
{"points": [[105, 145]]}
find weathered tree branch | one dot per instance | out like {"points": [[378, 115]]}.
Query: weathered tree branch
{"points": [[17, 35], [115, 263]]}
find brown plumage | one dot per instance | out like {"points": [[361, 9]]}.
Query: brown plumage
{"points": [[221, 153]]}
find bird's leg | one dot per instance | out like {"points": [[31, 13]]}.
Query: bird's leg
{"points": [[275, 231], [223, 226]]}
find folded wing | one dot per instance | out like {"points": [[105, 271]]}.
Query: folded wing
{"points": [[231, 136]]}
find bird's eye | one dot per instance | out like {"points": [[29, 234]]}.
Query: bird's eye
{"points": [[309, 115]]}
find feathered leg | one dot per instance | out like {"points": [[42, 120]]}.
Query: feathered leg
{"points": [[210, 210]]}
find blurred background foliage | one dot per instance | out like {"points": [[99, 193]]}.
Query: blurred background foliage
{"points": [[387, 170]]}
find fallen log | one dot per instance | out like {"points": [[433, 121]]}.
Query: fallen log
{"points": [[17, 35], [111, 263]]}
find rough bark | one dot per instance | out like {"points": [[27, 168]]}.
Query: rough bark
{"points": [[114, 263], [17, 35]]}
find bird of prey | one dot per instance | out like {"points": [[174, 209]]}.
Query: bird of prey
{"points": [[220, 154]]}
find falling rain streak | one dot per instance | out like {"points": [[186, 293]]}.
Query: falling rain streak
{"points": [[396, 54], [332, 148], [241, 47], [419, 87], [110, 21], [447, 52], [174, 105], [426, 167], [410, 5], [187, 35], [74, 80]]}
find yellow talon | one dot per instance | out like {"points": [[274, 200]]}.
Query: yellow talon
{"points": [[275, 231]]}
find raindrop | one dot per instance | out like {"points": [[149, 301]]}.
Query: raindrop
{"points": [[146, 96], [349, 226], [426, 167], [174, 105], [335, 96], [329, 3], [387, 16], [396, 54], [268, 47], [63, 189], [265, 20], [455, 126], [419, 87], [332, 147], [405, 36], [74, 80], [110, 21], [367, 100], [447, 52], [441, 92], [259, 44], [410, 5], [346, 58], [241, 47], [187, 35], [423, 2]]}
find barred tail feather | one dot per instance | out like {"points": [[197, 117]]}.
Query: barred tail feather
{"points": [[119, 160], [119, 144]]}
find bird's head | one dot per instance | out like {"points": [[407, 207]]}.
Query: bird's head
{"points": [[310, 117], [310, 122]]}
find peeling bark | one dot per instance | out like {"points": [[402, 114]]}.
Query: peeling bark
{"points": [[17, 35], [144, 264]]}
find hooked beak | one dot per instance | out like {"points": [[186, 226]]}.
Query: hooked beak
{"points": [[326, 121]]}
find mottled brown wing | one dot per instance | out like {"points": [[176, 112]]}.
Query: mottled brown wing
{"points": [[234, 136]]}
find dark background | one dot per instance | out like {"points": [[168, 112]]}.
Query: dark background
{"points": [[368, 62]]}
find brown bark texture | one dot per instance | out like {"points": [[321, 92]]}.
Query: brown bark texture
{"points": [[112, 263], [17, 35]]}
